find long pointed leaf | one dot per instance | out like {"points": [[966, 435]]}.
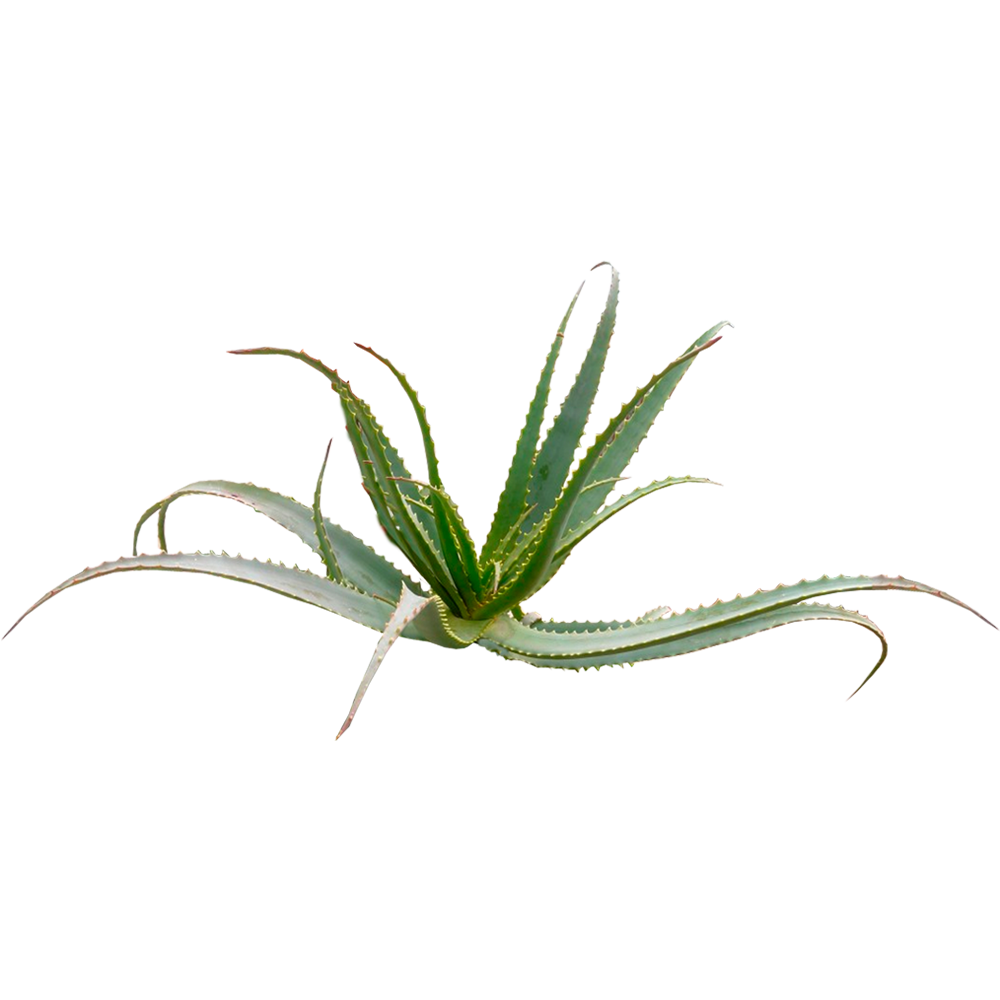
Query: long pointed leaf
{"points": [[292, 515], [409, 606], [418, 408], [544, 641], [436, 625], [692, 629], [555, 457], [362, 566], [333, 570], [399, 509], [511, 506], [632, 432], [533, 569], [572, 538]]}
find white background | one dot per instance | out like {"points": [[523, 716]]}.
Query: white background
{"points": [[435, 180]]}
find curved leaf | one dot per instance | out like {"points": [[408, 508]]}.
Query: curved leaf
{"points": [[418, 408], [514, 648], [289, 513], [632, 432], [362, 566], [285, 580], [572, 538], [685, 632], [435, 624]]}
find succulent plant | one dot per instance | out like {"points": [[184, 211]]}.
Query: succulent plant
{"points": [[466, 592]]}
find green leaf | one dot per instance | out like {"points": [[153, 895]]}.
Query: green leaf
{"points": [[285, 580], [412, 416], [457, 548], [362, 566], [555, 457], [693, 629], [511, 509], [572, 538], [434, 623], [630, 433], [410, 520], [289, 513], [535, 567], [322, 537], [439, 626], [546, 647]]}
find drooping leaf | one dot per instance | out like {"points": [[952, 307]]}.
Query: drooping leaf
{"points": [[288, 513], [693, 629], [288, 581], [437, 625], [362, 566], [547, 647]]}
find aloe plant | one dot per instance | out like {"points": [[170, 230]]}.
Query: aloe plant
{"points": [[546, 509]]}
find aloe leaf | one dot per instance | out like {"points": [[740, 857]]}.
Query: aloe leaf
{"points": [[457, 547], [690, 630], [397, 499], [543, 652], [511, 506], [535, 567], [361, 567], [438, 625], [409, 606], [342, 600], [418, 408], [332, 565], [632, 432], [289, 513], [434, 623], [548, 474], [572, 538], [355, 409], [370, 481]]}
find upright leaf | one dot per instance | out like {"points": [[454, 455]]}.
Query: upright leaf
{"points": [[511, 507], [532, 570], [555, 457]]}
